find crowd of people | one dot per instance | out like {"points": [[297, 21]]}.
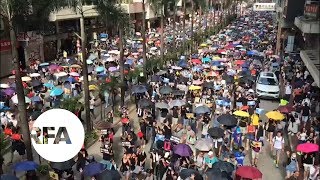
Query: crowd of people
{"points": [[198, 118]]}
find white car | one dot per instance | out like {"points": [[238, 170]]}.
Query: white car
{"points": [[267, 85]]}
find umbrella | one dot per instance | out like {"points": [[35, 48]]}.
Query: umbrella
{"points": [[93, 169], [74, 74], [71, 80], [25, 166], [178, 93], [8, 177], [186, 173], [177, 103], [197, 82], [35, 99], [176, 67], [209, 85], [144, 103], [101, 125], [4, 86], [196, 61], [162, 105], [138, 89], [241, 113], [112, 69], [224, 166], [308, 148], [216, 174], [26, 78], [35, 75], [183, 150], [216, 132], [161, 72], [99, 69], [56, 92], [53, 67], [9, 91], [35, 83], [14, 99], [62, 166], [248, 172], [48, 85], [227, 119], [165, 90], [44, 64], [203, 144], [275, 115], [81, 78], [285, 109], [202, 110], [192, 87], [75, 66], [109, 174]]}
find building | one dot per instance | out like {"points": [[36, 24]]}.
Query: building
{"points": [[309, 29]]}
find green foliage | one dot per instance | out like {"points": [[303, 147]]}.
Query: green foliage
{"points": [[4, 144], [90, 136], [71, 104], [43, 169]]}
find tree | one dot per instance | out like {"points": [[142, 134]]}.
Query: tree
{"points": [[143, 33], [4, 143]]}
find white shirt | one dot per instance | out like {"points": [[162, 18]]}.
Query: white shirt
{"points": [[288, 89], [278, 141], [313, 173]]}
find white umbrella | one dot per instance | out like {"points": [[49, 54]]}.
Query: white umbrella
{"points": [[176, 67], [60, 74], [89, 78], [239, 46], [4, 86], [114, 52], [74, 74], [14, 99], [26, 78], [110, 59], [203, 144], [12, 77], [35, 75], [153, 48]]}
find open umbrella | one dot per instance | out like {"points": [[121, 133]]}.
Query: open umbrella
{"points": [[8, 177], [187, 173], [99, 69], [25, 166], [101, 125], [161, 72], [14, 99], [56, 92], [109, 174], [216, 132], [4, 86], [203, 144], [138, 89], [145, 103], [165, 90], [227, 120], [178, 93], [224, 166], [26, 79], [192, 87], [74, 74], [241, 113], [35, 83], [9, 91], [308, 148], [183, 150], [177, 103], [248, 172], [62, 166], [285, 109], [162, 105], [93, 169], [275, 115], [48, 85], [202, 110], [216, 174]]}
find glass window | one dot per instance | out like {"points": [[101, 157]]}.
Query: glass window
{"points": [[268, 81]]}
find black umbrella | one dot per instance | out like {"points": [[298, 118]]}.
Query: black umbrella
{"points": [[178, 93], [138, 89], [216, 132], [109, 174], [209, 85], [35, 83], [224, 166], [35, 114], [62, 166], [186, 173], [182, 79], [155, 78], [144, 103], [216, 174], [227, 119], [165, 90]]}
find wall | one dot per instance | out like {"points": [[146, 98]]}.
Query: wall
{"points": [[6, 65]]}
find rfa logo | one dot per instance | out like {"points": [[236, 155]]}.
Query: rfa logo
{"points": [[57, 135]]}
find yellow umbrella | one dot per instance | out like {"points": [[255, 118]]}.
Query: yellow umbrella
{"points": [[203, 45], [93, 87], [192, 87], [241, 113], [26, 78], [216, 58], [275, 115]]}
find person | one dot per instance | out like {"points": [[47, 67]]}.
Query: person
{"points": [[314, 172], [288, 91], [256, 147], [92, 102], [277, 147], [240, 155], [308, 161], [306, 112], [209, 160], [292, 166], [199, 161]]}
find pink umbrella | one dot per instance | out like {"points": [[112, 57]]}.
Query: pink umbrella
{"points": [[197, 82], [53, 67], [308, 148], [111, 69]]}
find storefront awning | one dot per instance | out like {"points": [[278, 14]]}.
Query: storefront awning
{"points": [[312, 62]]}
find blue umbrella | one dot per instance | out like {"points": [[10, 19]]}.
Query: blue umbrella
{"points": [[99, 69], [48, 85], [44, 64], [129, 61], [215, 63], [71, 80], [206, 59], [25, 166], [102, 75], [259, 111], [253, 52], [8, 177], [202, 110], [93, 169], [56, 92], [35, 99], [275, 64], [4, 108]]}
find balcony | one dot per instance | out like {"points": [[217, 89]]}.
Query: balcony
{"points": [[311, 61], [307, 26]]}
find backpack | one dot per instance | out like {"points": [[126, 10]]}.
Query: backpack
{"points": [[167, 145]]}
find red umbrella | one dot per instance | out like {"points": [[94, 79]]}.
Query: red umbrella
{"points": [[221, 51], [248, 172], [308, 148], [239, 62], [125, 120], [196, 61], [285, 109]]}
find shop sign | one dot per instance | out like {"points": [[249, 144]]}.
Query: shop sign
{"points": [[311, 10], [5, 45]]}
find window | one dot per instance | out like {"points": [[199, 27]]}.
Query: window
{"points": [[268, 81]]}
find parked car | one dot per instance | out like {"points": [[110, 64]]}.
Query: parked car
{"points": [[268, 85]]}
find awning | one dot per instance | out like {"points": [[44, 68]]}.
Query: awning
{"points": [[312, 62]]}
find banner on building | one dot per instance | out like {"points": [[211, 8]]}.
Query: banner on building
{"points": [[5, 45]]}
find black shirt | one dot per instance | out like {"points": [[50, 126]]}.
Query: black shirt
{"points": [[308, 159], [305, 111]]}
